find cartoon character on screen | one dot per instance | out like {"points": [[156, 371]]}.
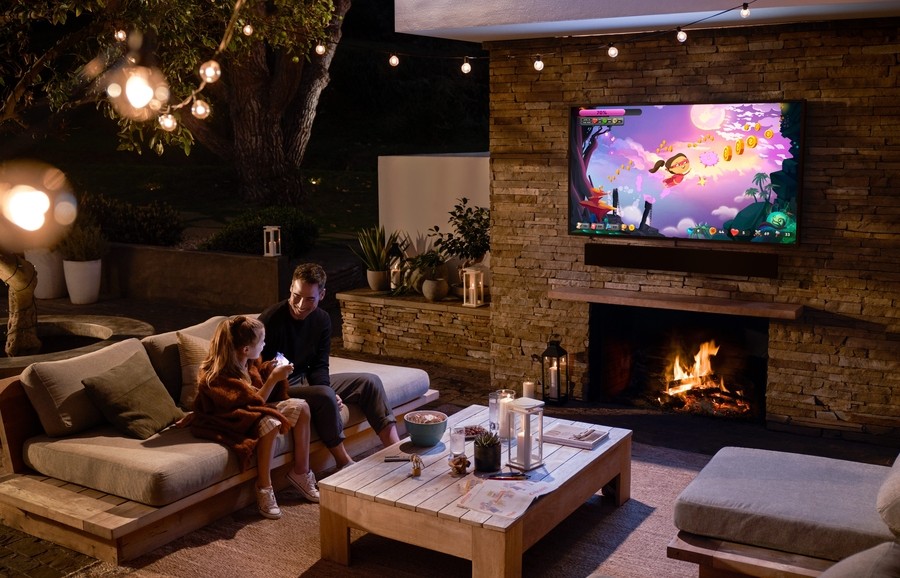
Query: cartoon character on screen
{"points": [[677, 165]]}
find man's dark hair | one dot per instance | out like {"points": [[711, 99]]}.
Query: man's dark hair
{"points": [[310, 273]]}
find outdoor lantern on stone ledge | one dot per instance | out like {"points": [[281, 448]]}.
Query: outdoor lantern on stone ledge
{"points": [[271, 241], [473, 287], [555, 373]]}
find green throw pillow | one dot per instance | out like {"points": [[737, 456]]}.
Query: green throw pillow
{"points": [[132, 398]]}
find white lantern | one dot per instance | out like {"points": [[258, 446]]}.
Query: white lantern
{"points": [[473, 288], [525, 443], [271, 241]]}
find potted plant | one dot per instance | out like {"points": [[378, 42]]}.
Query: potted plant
{"points": [[375, 252], [487, 452], [82, 250], [470, 239], [431, 269]]}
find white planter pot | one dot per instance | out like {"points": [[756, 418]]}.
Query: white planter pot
{"points": [[83, 281], [51, 281]]}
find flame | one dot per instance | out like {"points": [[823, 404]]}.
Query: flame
{"points": [[689, 377], [701, 378]]}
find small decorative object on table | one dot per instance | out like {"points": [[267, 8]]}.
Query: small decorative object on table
{"points": [[425, 427], [459, 465], [487, 452], [497, 409], [575, 436], [417, 465]]}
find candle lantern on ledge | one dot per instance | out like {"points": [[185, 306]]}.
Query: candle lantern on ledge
{"points": [[555, 373], [271, 241], [525, 443], [473, 287]]}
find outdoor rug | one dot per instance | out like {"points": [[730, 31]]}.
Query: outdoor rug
{"points": [[597, 540]]}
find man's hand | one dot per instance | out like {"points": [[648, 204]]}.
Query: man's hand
{"points": [[340, 402]]}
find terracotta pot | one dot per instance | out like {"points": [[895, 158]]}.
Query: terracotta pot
{"points": [[435, 289], [378, 280], [487, 459]]}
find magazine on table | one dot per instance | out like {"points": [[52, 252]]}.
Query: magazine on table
{"points": [[579, 436]]}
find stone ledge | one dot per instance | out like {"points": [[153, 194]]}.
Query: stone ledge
{"points": [[384, 299]]}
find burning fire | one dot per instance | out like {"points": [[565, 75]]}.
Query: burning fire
{"points": [[700, 388]]}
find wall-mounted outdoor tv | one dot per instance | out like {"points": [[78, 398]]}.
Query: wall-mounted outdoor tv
{"points": [[707, 172]]}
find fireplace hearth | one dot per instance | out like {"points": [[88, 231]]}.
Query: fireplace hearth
{"points": [[678, 360]]}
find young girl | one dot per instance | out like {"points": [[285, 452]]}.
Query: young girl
{"points": [[232, 409]]}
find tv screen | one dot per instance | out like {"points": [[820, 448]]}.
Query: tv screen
{"points": [[706, 172]]}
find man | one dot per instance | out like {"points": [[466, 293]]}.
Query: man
{"points": [[301, 331]]}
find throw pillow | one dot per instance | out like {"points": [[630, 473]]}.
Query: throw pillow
{"points": [[888, 499], [132, 398], [192, 350]]}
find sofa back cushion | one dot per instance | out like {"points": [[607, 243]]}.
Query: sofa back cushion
{"points": [[192, 350], [163, 352], [132, 398], [888, 500], [55, 390]]}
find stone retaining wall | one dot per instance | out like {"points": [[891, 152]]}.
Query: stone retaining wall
{"points": [[413, 328]]}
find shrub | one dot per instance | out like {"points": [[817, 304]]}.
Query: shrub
{"points": [[84, 242], [154, 224], [244, 234]]}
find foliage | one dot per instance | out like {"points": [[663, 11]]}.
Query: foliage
{"points": [[414, 270], [487, 439], [244, 234], [156, 223], [470, 238], [375, 247], [84, 242], [58, 55]]}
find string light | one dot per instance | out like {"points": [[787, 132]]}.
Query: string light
{"points": [[121, 35], [167, 122], [466, 67], [612, 51], [682, 35], [247, 30], [200, 109], [394, 60], [210, 71], [320, 49], [539, 64], [745, 10]]}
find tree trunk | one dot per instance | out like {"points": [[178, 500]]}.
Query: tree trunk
{"points": [[21, 279]]}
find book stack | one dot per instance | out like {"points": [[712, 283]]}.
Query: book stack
{"points": [[579, 436]]}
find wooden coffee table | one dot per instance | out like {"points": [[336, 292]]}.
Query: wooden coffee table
{"points": [[383, 498]]}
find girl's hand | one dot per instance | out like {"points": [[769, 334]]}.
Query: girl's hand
{"points": [[282, 372]]}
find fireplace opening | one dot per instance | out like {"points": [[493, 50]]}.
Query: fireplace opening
{"points": [[678, 360]]}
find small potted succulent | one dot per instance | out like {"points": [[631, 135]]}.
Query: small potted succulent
{"points": [[487, 452]]}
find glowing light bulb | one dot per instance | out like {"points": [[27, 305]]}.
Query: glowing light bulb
{"points": [[681, 36], [138, 90], [466, 67], [247, 30], [167, 122], [210, 71], [539, 64], [200, 109], [612, 51], [393, 60], [320, 49], [121, 35], [745, 10], [26, 207]]}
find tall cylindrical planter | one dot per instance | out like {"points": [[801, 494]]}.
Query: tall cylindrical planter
{"points": [[83, 281], [51, 281]]}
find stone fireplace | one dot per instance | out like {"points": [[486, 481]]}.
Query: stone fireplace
{"points": [[832, 369], [674, 360]]}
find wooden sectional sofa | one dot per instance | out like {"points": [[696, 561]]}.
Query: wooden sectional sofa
{"points": [[66, 509]]}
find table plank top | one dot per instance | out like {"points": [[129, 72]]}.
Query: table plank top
{"points": [[436, 491]]}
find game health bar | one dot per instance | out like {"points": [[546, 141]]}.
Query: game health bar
{"points": [[601, 112]]}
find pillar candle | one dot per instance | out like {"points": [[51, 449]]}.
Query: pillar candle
{"points": [[504, 415], [528, 389]]}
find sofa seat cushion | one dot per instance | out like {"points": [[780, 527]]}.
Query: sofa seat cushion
{"points": [[162, 469], [808, 505]]}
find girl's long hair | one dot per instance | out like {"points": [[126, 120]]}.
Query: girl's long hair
{"points": [[231, 335]]}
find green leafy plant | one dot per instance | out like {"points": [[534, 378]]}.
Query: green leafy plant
{"points": [[156, 223], [244, 234], [487, 439], [375, 247], [84, 242], [470, 239], [415, 270]]}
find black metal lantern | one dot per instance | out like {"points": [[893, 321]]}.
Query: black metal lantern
{"points": [[555, 373]]}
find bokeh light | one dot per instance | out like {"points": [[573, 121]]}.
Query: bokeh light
{"points": [[37, 205]]}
